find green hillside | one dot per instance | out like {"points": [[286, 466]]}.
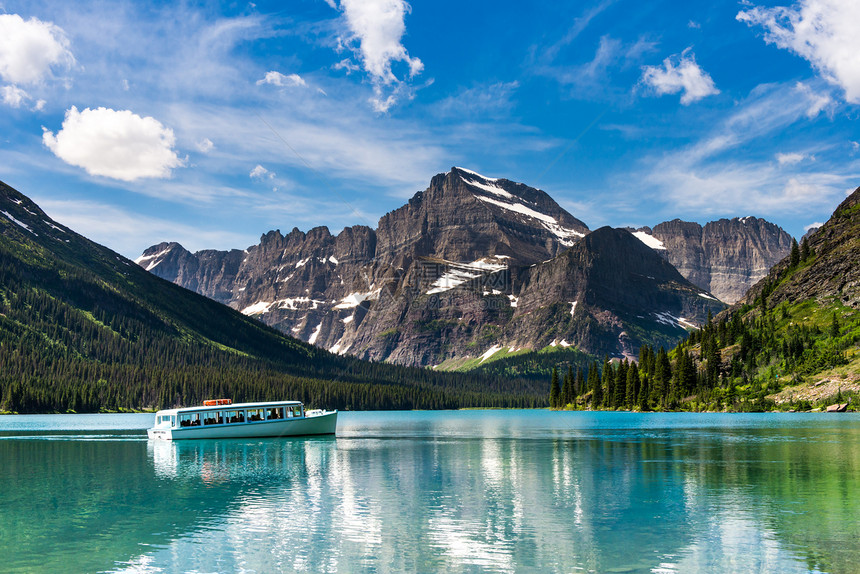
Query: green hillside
{"points": [[84, 329]]}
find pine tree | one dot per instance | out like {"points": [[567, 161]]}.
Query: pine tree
{"points": [[580, 379], [795, 254], [608, 381], [644, 392], [834, 326], [567, 389], [620, 385], [596, 389], [632, 386], [804, 249], [554, 390]]}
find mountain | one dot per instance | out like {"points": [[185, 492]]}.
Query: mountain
{"points": [[725, 257], [461, 271], [606, 294], [85, 329]]}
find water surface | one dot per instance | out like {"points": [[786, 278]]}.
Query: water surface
{"points": [[468, 491]]}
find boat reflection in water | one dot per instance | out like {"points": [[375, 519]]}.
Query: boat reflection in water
{"points": [[243, 461]]}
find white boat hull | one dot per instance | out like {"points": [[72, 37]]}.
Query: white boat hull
{"points": [[321, 424]]}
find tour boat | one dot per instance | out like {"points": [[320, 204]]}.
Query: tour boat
{"points": [[220, 418]]}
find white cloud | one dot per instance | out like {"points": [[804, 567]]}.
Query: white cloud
{"points": [[680, 73], [815, 225], [486, 100], [278, 79], [260, 172], [30, 48], [790, 158], [205, 145], [824, 32], [378, 27], [711, 177], [14, 96], [116, 144], [817, 102]]}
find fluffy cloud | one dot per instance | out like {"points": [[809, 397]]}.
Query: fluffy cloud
{"points": [[116, 144], [30, 48], [824, 32], [817, 102], [278, 79], [680, 73], [790, 158], [205, 145], [14, 96], [378, 27], [260, 172]]}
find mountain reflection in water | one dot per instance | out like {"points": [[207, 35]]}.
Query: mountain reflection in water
{"points": [[499, 491]]}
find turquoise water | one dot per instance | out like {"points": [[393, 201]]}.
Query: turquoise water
{"points": [[470, 491]]}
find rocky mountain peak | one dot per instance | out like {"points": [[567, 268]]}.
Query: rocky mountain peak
{"points": [[464, 216], [725, 257]]}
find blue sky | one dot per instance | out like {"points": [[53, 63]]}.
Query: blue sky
{"points": [[210, 124]]}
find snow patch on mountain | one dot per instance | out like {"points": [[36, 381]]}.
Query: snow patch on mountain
{"points": [[19, 223], [566, 236], [667, 318], [491, 188], [257, 308], [490, 352], [154, 260], [649, 240], [459, 273], [475, 173], [315, 334], [356, 299]]}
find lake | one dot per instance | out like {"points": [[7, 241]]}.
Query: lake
{"points": [[464, 491]]}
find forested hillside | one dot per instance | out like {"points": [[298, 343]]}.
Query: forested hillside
{"points": [[83, 329]]}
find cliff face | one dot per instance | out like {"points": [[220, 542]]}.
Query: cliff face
{"points": [[609, 294], [725, 257], [210, 273], [469, 265]]}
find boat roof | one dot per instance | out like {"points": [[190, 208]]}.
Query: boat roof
{"points": [[232, 407]]}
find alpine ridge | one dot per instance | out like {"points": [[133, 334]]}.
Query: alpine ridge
{"points": [[461, 271], [725, 257]]}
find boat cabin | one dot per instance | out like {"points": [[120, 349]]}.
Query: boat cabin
{"points": [[225, 413]]}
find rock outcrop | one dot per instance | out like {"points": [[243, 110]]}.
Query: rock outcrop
{"points": [[725, 257]]}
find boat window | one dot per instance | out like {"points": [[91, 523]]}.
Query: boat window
{"points": [[213, 418], [255, 415], [297, 411], [234, 417], [189, 420], [275, 413]]}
